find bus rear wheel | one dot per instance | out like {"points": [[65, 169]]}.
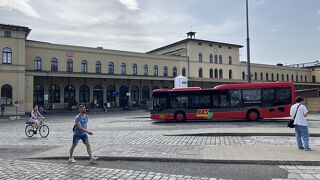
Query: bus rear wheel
{"points": [[253, 115], [180, 116]]}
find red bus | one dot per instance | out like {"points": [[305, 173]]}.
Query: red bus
{"points": [[229, 101]]}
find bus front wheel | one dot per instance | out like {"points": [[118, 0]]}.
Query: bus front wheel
{"points": [[253, 115], [180, 117]]}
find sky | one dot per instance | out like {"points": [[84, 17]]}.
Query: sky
{"points": [[281, 31]]}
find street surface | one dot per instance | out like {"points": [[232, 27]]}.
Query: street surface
{"points": [[133, 134]]}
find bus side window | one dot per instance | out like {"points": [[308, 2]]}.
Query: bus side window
{"points": [[181, 102], [283, 96], [267, 97], [235, 98]]}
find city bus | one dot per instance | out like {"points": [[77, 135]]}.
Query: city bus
{"points": [[228, 101]]}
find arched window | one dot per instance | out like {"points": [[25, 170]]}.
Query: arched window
{"points": [[272, 77], [6, 55], [135, 94], [37, 63], [145, 70], [230, 74], [69, 94], [255, 76], [69, 65], [111, 68], [297, 78], [84, 66], [220, 73], [38, 94], [243, 75], [287, 77], [261, 76], [267, 76], [305, 78], [215, 73], [165, 71], [200, 57], [155, 70], [54, 94], [211, 58], [111, 94], [184, 71], [220, 59], [134, 69], [174, 71], [84, 94], [282, 77], [313, 79], [6, 95], [98, 95], [292, 78], [200, 73], [230, 60], [145, 93], [278, 77], [211, 73], [301, 78], [216, 59], [98, 67], [123, 68], [54, 64]]}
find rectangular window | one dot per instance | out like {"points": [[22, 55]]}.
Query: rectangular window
{"points": [[235, 98], [283, 96], [251, 94], [181, 102], [160, 103], [197, 102], [7, 34], [268, 94], [220, 101]]}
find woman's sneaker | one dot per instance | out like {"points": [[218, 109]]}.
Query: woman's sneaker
{"points": [[71, 160], [93, 159], [308, 149]]}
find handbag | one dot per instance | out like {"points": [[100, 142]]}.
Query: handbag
{"points": [[291, 121]]}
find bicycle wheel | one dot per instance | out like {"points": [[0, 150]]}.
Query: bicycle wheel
{"points": [[29, 130], [44, 130]]}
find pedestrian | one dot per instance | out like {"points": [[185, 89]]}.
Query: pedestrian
{"points": [[2, 109], [80, 131], [299, 111]]}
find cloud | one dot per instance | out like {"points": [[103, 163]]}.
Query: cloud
{"points": [[130, 4], [21, 6]]}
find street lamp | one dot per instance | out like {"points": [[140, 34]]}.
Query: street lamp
{"points": [[248, 44]]}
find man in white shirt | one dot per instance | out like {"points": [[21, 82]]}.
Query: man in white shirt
{"points": [[299, 111]]}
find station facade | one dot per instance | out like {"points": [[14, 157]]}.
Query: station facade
{"points": [[60, 76]]}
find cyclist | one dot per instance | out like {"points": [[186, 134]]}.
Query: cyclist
{"points": [[35, 114]]}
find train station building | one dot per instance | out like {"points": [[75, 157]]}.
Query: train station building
{"points": [[58, 76]]}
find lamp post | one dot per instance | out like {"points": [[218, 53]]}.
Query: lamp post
{"points": [[248, 44]]}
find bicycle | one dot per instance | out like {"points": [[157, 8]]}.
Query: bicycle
{"points": [[43, 129]]}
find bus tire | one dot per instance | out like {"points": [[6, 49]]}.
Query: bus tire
{"points": [[253, 115], [180, 116]]}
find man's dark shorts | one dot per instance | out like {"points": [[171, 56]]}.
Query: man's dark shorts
{"points": [[84, 138]]}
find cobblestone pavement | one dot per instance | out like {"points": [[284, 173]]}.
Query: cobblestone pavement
{"points": [[16, 169], [125, 135], [302, 172]]}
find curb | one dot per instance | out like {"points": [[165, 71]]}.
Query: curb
{"points": [[241, 134], [188, 160]]}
